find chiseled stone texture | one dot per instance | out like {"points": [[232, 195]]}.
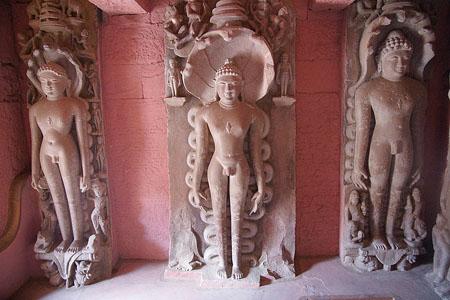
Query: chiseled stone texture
{"points": [[123, 7], [136, 120]]}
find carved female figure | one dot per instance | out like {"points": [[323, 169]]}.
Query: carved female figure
{"points": [[229, 121], [55, 152], [395, 152]]}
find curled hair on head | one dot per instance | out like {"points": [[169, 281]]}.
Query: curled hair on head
{"points": [[229, 68], [395, 41], [52, 68]]}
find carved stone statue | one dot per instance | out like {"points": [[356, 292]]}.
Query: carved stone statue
{"points": [[356, 218], [398, 103], [284, 74], [174, 79], [197, 12], [388, 46], [174, 26], [63, 161], [229, 121], [60, 51], [222, 225]]}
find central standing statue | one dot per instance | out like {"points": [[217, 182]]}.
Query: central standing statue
{"points": [[55, 152], [229, 121], [395, 154]]}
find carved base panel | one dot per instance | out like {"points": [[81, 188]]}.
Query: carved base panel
{"points": [[90, 265], [206, 278], [368, 259]]}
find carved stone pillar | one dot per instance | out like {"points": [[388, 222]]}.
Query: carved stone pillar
{"points": [[252, 55], [69, 163], [388, 45]]}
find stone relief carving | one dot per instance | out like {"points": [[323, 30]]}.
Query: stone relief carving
{"points": [[439, 277], [384, 121], [68, 159], [219, 206]]}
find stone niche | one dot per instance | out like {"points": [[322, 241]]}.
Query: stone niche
{"points": [[60, 51], [230, 77], [388, 46]]}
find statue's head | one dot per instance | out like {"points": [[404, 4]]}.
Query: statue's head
{"points": [[354, 198], [228, 81], [54, 80], [394, 56]]}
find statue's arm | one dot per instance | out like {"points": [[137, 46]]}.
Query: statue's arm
{"points": [[201, 137], [417, 128], [81, 119], [36, 141], [363, 115], [256, 133]]}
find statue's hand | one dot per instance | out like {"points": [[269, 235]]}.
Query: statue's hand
{"points": [[358, 178], [85, 183], [257, 201], [35, 181], [198, 199], [416, 176]]}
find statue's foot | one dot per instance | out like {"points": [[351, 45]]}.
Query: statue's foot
{"points": [[222, 273], [395, 242], [237, 273], [62, 247], [76, 246], [379, 243], [434, 278]]}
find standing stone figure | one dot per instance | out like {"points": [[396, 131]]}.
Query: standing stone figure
{"points": [[63, 161], [395, 151], [174, 77], [229, 121], [284, 74]]}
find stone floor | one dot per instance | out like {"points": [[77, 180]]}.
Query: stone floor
{"points": [[326, 279]]}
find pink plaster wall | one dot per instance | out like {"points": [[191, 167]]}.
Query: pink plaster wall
{"points": [[135, 124], [17, 260]]}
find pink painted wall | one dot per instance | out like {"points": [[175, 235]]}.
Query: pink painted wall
{"points": [[17, 260], [135, 124]]}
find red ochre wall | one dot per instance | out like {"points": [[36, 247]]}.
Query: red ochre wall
{"points": [[132, 63]]}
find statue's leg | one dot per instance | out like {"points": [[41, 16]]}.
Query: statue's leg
{"points": [[400, 176], [218, 186], [441, 261], [55, 184], [70, 174], [238, 195], [379, 166]]}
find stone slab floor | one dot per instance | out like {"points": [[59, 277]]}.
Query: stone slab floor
{"points": [[326, 279]]}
